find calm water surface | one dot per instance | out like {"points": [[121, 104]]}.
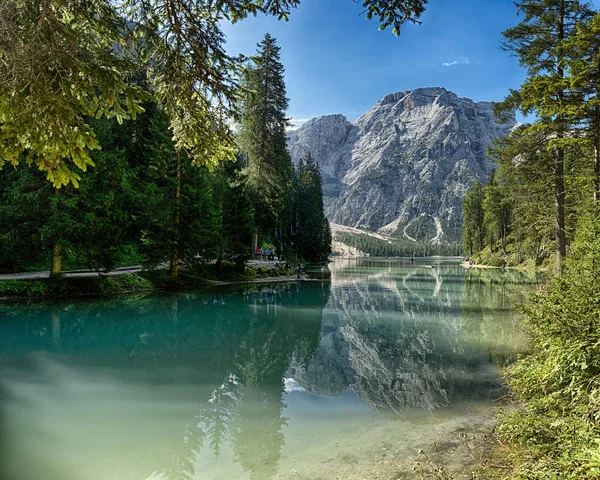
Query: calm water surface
{"points": [[346, 378]]}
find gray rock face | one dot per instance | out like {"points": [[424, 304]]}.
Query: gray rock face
{"points": [[411, 157]]}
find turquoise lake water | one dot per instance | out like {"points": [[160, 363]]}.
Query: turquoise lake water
{"points": [[345, 378]]}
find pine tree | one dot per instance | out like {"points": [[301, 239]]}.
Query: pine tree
{"points": [[41, 225], [48, 87], [179, 220], [584, 68], [496, 211], [312, 239], [231, 191], [538, 41], [520, 158], [326, 241], [473, 228], [263, 140]]}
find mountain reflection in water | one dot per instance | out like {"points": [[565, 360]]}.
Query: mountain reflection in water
{"points": [[238, 383]]}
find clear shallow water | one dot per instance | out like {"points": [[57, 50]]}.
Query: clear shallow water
{"points": [[346, 378]]}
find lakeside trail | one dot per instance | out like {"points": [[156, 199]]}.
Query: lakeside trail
{"points": [[44, 274]]}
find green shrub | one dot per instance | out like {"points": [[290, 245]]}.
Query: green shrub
{"points": [[557, 430], [23, 288]]}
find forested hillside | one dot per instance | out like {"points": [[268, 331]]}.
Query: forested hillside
{"points": [[548, 171]]}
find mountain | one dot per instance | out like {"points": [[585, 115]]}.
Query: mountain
{"points": [[403, 167]]}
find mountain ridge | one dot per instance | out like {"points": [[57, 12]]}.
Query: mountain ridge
{"points": [[403, 166]]}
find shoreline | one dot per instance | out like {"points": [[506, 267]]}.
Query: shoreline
{"points": [[93, 288], [279, 279], [467, 266]]}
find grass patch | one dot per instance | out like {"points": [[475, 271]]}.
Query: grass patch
{"points": [[74, 286]]}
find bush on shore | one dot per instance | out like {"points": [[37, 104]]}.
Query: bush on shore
{"points": [[556, 431], [74, 286]]}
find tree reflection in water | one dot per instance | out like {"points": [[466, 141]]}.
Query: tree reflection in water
{"points": [[247, 408]]}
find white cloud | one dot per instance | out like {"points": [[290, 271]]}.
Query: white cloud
{"points": [[296, 123], [292, 385], [464, 61]]}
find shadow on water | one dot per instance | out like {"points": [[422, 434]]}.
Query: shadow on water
{"points": [[198, 383]]}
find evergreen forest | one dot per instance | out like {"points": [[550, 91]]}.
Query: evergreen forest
{"points": [[146, 201]]}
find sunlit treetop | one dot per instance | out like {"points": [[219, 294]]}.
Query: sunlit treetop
{"points": [[63, 61]]}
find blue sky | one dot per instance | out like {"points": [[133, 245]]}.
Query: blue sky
{"points": [[337, 61]]}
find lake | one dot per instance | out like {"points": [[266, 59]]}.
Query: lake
{"points": [[387, 369]]}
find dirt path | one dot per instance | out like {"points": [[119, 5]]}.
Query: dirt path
{"points": [[42, 274]]}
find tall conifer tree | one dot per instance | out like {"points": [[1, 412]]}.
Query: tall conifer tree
{"points": [[538, 41], [584, 69], [263, 140], [179, 219], [312, 234], [473, 230]]}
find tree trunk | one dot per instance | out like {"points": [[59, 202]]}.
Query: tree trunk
{"points": [[174, 263], [559, 202], [255, 239], [559, 192], [597, 154], [56, 266]]}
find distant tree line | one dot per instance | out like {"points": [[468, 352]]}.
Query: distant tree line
{"points": [[395, 247]]}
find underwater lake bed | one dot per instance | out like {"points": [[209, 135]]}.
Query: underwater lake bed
{"points": [[350, 377]]}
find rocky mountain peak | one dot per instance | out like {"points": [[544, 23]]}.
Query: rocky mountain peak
{"points": [[405, 165]]}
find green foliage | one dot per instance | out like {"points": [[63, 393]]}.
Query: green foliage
{"points": [[522, 161], [524, 230], [312, 237], [69, 286], [90, 223], [558, 383], [178, 218], [473, 217], [230, 187], [539, 41], [47, 86], [23, 288], [394, 14], [497, 210], [262, 139]]}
